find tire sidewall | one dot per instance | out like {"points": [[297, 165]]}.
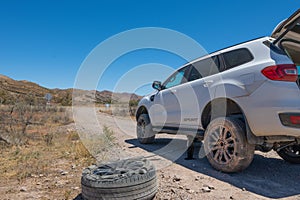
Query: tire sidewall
{"points": [[243, 152], [291, 159], [120, 186], [149, 134]]}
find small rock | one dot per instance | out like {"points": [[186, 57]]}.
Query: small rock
{"points": [[23, 189], [231, 197], [244, 189], [209, 186], [59, 183], [173, 191], [73, 166], [34, 176], [191, 191], [38, 183], [41, 175], [206, 189], [76, 188], [180, 187], [197, 178], [175, 179], [64, 173]]}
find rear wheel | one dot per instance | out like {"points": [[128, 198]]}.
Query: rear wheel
{"points": [[226, 146], [290, 154], [144, 131]]}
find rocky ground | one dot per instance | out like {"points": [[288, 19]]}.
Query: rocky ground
{"points": [[268, 177]]}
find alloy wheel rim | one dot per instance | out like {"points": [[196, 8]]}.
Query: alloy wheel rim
{"points": [[142, 128], [222, 145], [293, 151]]}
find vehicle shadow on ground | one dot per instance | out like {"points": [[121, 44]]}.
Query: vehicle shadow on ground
{"points": [[269, 177]]}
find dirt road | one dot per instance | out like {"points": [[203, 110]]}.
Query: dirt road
{"points": [[268, 177]]}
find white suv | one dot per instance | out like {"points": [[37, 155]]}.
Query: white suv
{"points": [[238, 99]]}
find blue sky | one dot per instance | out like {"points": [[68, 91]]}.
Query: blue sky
{"points": [[45, 41]]}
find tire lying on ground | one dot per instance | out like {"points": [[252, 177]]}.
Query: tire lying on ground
{"points": [[128, 179]]}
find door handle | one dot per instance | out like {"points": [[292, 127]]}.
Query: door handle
{"points": [[208, 83]]}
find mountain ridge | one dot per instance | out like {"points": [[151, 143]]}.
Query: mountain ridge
{"points": [[13, 90]]}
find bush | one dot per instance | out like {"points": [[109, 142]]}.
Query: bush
{"points": [[48, 138], [16, 119]]}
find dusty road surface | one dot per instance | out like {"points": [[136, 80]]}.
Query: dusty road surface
{"points": [[268, 177]]}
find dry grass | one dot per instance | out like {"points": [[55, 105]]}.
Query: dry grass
{"points": [[101, 145], [122, 110], [35, 158], [21, 122], [38, 148], [39, 167]]}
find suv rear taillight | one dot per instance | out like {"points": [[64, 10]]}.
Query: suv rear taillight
{"points": [[286, 72], [290, 119]]}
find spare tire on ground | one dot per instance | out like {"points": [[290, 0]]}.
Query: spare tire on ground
{"points": [[133, 178]]}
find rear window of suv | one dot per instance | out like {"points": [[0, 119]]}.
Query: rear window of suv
{"points": [[204, 68], [237, 57]]}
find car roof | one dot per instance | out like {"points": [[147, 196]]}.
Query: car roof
{"points": [[225, 49]]}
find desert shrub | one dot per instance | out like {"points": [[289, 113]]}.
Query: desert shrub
{"points": [[73, 136], [133, 103], [100, 145], [16, 119], [122, 109], [108, 134], [55, 119], [53, 109], [48, 138], [62, 109]]}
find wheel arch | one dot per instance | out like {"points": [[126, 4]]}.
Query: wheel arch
{"points": [[141, 110], [221, 107], [232, 108]]}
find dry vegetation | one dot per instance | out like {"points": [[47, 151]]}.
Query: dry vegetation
{"points": [[22, 121], [42, 156], [43, 170], [121, 109]]}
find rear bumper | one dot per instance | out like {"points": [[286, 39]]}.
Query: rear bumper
{"points": [[268, 122], [264, 107]]}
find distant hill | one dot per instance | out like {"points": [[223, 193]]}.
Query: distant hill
{"points": [[12, 91]]}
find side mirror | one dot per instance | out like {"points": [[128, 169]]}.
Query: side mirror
{"points": [[157, 85]]}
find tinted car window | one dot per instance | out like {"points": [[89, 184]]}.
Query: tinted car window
{"points": [[237, 57], [204, 68], [176, 78], [296, 28]]}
